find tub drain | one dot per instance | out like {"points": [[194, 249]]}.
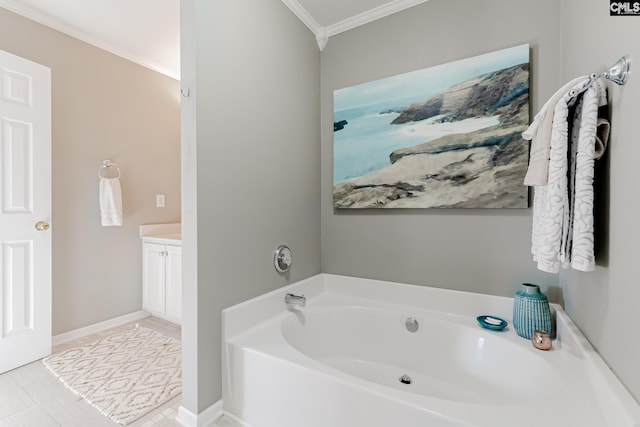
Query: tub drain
{"points": [[405, 379]]}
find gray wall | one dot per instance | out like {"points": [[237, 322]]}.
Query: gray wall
{"points": [[476, 250], [604, 304], [103, 107], [253, 121], [488, 251]]}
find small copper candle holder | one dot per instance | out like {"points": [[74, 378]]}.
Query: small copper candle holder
{"points": [[541, 340]]}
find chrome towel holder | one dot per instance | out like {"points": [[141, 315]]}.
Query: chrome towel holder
{"points": [[617, 73], [107, 165]]}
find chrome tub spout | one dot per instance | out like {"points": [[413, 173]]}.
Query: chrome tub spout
{"points": [[299, 300]]}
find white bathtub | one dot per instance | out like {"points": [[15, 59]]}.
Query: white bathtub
{"points": [[337, 363]]}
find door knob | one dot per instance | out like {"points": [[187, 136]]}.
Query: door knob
{"points": [[42, 226]]}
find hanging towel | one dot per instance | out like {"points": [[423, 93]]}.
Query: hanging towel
{"points": [[562, 232], [539, 133], [550, 199], [587, 146], [110, 202]]}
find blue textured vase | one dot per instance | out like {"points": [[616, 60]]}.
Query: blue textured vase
{"points": [[531, 311]]}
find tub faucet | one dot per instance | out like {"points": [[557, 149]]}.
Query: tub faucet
{"points": [[300, 300]]}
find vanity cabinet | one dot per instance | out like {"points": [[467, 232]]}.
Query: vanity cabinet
{"points": [[162, 280], [162, 271]]}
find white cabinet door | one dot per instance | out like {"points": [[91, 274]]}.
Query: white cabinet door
{"points": [[173, 293], [162, 280], [153, 277], [25, 211]]}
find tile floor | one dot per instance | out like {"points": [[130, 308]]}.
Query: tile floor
{"points": [[30, 396]]}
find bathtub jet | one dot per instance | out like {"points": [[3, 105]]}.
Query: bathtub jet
{"points": [[405, 379]]}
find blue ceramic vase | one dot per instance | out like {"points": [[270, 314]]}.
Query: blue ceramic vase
{"points": [[531, 311]]}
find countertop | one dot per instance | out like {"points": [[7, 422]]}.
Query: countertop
{"points": [[167, 239], [168, 234]]}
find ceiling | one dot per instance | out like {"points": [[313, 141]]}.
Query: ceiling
{"points": [[148, 31], [144, 31]]}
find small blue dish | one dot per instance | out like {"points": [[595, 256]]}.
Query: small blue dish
{"points": [[492, 322]]}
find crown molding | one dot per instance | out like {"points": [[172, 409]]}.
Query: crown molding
{"points": [[323, 33], [308, 20], [76, 33], [371, 15]]}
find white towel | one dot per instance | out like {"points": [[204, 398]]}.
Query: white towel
{"points": [[110, 202], [587, 148], [539, 133], [550, 200], [562, 231]]}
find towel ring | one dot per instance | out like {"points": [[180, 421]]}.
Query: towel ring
{"points": [[107, 164]]}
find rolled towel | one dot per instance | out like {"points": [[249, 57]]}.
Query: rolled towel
{"points": [[110, 202]]}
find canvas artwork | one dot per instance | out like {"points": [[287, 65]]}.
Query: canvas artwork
{"points": [[448, 136]]}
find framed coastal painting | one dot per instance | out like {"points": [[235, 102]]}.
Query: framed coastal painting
{"points": [[448, 136]]}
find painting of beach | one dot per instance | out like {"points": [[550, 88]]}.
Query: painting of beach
{"points": [[448, 136]]}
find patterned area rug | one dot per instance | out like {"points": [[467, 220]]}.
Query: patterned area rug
{"points": [[124, 375]]}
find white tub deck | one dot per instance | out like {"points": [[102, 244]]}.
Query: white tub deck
{"points": [[275, 377]]}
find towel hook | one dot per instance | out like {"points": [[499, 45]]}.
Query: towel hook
{"points": [[107, 164]]}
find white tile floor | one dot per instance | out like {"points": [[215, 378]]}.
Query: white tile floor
{"points": [[30, 396]]}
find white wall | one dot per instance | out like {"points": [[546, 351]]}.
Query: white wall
{"points": [[604, 304], [253, 121], [477, 250], [103, 107]]}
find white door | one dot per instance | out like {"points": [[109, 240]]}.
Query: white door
{"points": [[25, 211]]}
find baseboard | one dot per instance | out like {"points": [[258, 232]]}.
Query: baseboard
{"points": [[172, 319], [233, 418], [97, 327], [206, 418]]}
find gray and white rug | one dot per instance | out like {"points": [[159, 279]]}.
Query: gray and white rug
{"points": [[124, 375]]}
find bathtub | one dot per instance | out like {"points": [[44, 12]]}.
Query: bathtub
{"points": [[347, 359]]}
